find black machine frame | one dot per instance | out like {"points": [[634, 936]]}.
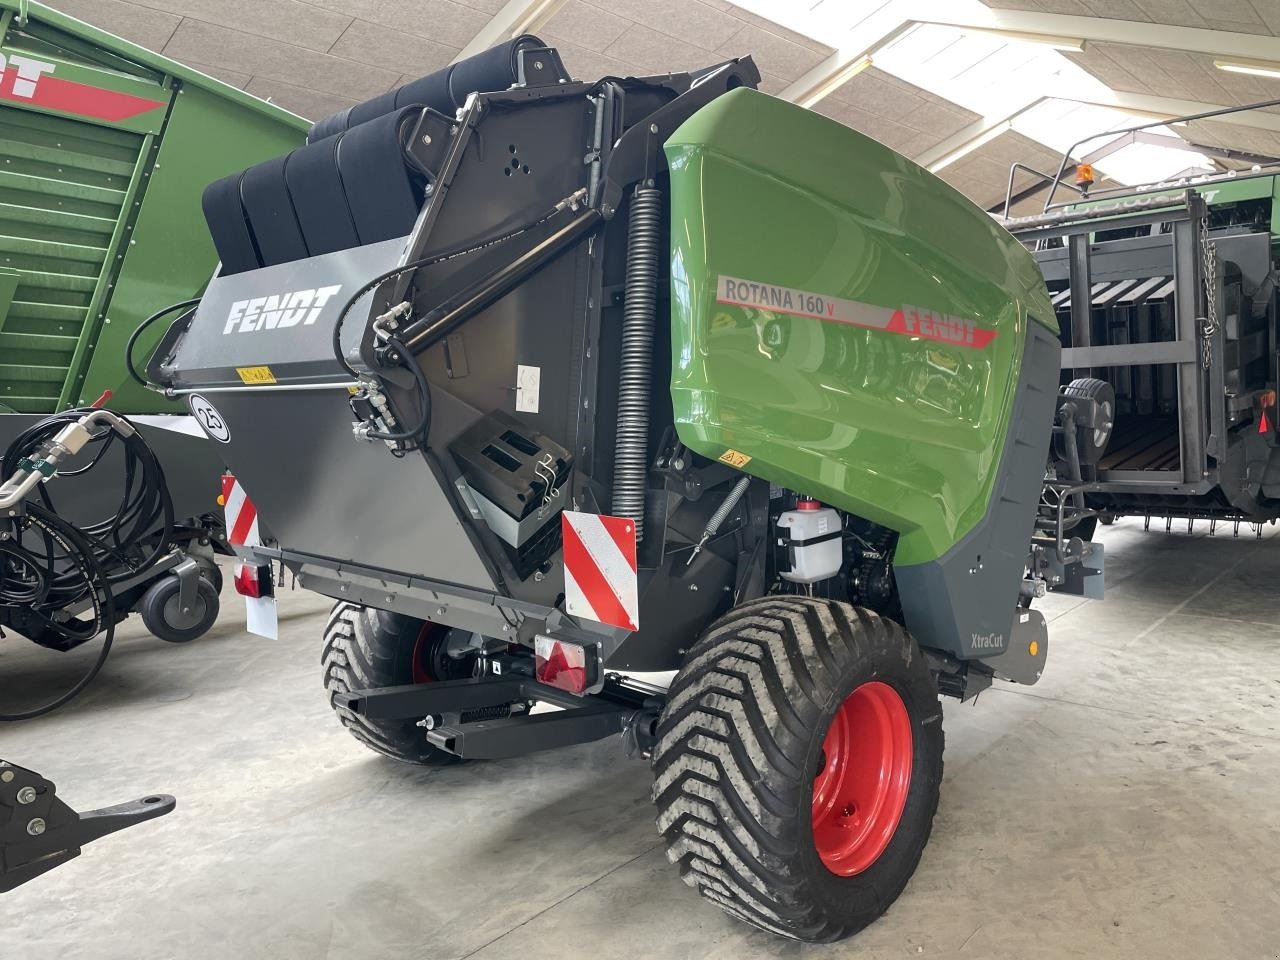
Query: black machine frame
{"points": [[1141, 250]]}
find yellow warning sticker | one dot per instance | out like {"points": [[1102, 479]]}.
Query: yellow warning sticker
{"points": [[254, 375], [734, 459]]}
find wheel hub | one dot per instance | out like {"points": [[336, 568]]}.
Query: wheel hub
{"points": [[864, 776]]}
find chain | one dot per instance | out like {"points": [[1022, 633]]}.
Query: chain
{"points": [[1209, 254]]}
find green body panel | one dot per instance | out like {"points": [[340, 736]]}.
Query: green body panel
{"points": [[104, 154], [896, 427]]}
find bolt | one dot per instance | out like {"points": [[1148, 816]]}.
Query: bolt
{"points": [[7, 776], [537, 577], [35, 827], [693, 587], [537, 64], [390, 598], [653, 128], [426, 138], [27, 795], [440, 611]]}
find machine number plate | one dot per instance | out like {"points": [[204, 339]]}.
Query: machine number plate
{"points": [[210, 419]]}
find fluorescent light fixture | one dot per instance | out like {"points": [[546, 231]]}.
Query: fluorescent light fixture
{"points": [[1255, 68], [981, 140], [1065, 44], [834, 82], [533, 16]]}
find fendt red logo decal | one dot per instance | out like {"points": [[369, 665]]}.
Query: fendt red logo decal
{"points": [[940, 327], [31, 81]]}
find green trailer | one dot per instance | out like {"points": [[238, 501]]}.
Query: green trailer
{"points": [[104, 150]]}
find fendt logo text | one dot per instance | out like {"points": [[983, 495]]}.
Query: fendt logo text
{"points": [[279, 310], [25, 73]]}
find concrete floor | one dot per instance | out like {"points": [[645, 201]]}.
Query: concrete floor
{"points": [[1124, 807]]}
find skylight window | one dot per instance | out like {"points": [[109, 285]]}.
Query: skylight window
{"points": [[997, 76]]}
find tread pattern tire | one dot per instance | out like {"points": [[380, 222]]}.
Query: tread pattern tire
{"points": [[1089, 444], [740, 742], [365, 649]]}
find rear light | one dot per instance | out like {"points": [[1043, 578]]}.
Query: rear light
{"points": [[1264, 400], [253, 579], [566, 666]]}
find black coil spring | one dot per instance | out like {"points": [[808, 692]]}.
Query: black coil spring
{"points": [[631, 450]]}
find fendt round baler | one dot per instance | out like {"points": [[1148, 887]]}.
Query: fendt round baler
{"points": [[552, 383]]}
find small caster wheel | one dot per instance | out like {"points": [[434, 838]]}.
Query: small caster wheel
{"points": [[162, 615]]}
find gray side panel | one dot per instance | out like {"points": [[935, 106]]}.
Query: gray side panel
{"points": [[321, 492], [964, 601], [281, 317]]}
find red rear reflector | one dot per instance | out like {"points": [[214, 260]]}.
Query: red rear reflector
{"points": [[1263, 425], [253, 580], [567, 666]]}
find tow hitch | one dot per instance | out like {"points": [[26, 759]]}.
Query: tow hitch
{"points": [[39, 832]]}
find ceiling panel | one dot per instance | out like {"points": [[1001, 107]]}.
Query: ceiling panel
{"points": [[906, 118], [1237, 16], [983, 175]]}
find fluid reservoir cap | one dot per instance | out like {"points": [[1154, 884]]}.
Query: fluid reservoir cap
{"points": [[806, 504]]}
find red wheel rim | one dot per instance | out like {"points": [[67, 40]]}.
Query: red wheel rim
{"points": [[863, 778]]}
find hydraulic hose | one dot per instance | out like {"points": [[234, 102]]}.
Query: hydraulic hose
{"points": [[133, 340], [78, 554], [49, 565], [631, 448]]}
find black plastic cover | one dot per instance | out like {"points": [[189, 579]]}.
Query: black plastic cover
{"points": [[501, 458], [445, 90]]}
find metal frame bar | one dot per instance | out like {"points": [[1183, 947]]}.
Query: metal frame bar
{"points": [[1067, 154]]}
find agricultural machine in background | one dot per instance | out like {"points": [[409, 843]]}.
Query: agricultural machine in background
{"points": [[106, 148], [548, 383], [1166, 297]]}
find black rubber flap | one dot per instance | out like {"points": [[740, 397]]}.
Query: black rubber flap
{"points": [[328, 126], [444, 90], [382, 195], [495, 69], [224, 214], [265, 196], [318, 198]]}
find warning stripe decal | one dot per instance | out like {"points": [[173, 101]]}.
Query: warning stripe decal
{"points": [[240, 513], [907, 320], [600, 568]]}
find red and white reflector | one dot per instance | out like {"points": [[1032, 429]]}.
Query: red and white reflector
{"points": [[564, 665], [253, 581], [600, 569], [240, 513]]}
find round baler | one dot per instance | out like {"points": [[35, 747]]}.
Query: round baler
{"points": [[555, 384]]}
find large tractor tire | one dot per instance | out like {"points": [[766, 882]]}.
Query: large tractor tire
{"points": [[798, 764], [365, 649]]}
